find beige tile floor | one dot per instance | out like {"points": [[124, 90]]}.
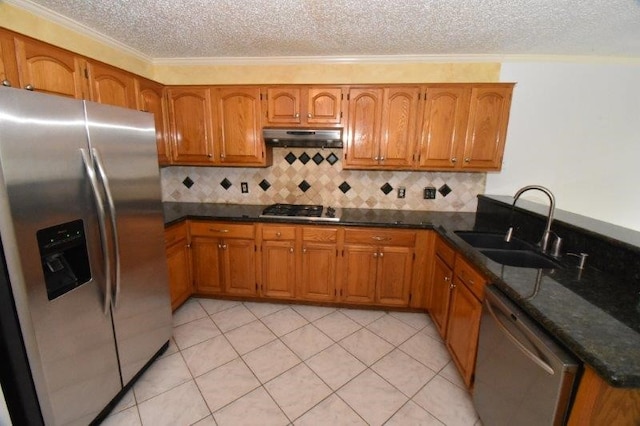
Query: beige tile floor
{"points": [[234, 363]]}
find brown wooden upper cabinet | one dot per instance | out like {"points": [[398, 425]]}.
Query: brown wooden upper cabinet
{"points": [[382, 126], [111, 86], [190, 125], [151, 99], [487, 127], [444, 121], [48, 69], [303, 106], [8, 64], [238, 127]]}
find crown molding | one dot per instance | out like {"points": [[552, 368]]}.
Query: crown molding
{"points": [[70, 24]]}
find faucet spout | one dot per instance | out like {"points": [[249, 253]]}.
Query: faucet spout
{"points": [[544, 241]]}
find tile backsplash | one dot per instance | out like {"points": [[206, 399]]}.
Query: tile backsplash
{"points": [[315, 176]]}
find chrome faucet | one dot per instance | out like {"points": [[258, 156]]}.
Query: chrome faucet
{"points": [[544, 242]]}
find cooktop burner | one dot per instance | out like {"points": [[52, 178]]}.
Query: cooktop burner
{"points": [[301, 211]]}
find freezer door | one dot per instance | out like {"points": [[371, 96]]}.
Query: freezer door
{"points": [[68, 336], [124, 147]]}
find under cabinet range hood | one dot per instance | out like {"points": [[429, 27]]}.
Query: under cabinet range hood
{"points": [[303, 138]]}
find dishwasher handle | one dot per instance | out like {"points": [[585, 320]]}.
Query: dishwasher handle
{"points": [[533, 357]]}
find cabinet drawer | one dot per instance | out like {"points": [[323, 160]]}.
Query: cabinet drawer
{"points": [[270, 232], [175, 233], [328, 235], [446, 253], [221, 230], [385, 237], [472, 278]]}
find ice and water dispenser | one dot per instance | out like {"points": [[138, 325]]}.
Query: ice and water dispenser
{"points": [[64, 257]]}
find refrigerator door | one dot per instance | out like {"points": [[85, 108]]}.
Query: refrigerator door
{"points": [[58, 284], [123, 144]]}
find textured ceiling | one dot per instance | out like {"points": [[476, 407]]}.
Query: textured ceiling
{"points": [[263, 28]]}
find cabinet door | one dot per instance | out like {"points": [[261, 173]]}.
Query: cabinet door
{"points": [[8, 64], [363, 130], [399, 126], [324, 106], [239, 266], [318, 271], [395, 269], [179, 266], [206, 259], [111, 86], [151, 99], [444, 121], [50, 70], [190, 125], [440, 294], [239, 131], [278, 269], [463, 328], [359, 275], [487, 128], [283, 105]]}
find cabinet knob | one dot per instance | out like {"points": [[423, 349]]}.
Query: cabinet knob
{"points": [[278, 234], [209, 155], [381, 158], [375, 254], [309, 115], [222, 156], [290, 249], [297, 115], [467, 160], [188, 245], [381, 254], [376, 158], [224, 247], [452, 286], [446, 278], [29, 87], [6, 83], [454, 160], [304, 249]]}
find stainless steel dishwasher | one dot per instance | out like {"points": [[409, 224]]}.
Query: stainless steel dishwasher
{"points": [[523, 377]]}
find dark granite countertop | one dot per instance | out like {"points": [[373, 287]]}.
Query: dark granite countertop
{"points": [[592, 313]]}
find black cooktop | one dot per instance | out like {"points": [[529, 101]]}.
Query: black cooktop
{"points": [[302, 211]]}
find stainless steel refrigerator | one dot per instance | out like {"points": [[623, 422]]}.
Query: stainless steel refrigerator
{"points": [[84, 298]]}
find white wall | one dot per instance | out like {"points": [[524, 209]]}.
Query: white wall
{"points": [[575, 128]]}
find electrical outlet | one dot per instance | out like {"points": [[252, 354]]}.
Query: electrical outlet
{"points": [[429, 193], [402, 191], [244, 187]]}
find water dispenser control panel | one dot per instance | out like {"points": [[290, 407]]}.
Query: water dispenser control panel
{"points": [[64, 257]]}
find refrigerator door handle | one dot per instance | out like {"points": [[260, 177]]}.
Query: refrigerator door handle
{"points": [[114, 226], [533, 357], [88, 166]]}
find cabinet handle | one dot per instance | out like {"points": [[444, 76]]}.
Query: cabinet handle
{"points": [[29, 87], [446, 279], [290, 249], [224, 231], [454, 160], [6, 83], [379, 238], [467, 160], [452, 286]]}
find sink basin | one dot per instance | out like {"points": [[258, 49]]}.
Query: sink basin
{"points": [[520, 258], [492, 241]]}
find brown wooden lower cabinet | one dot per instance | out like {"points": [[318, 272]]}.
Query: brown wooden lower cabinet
{"points": [[278, 253], [455, 306], [318, 264], [178, 263]]}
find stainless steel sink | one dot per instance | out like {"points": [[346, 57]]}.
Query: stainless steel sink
{"points": [[520, 258], [493, 241]]}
